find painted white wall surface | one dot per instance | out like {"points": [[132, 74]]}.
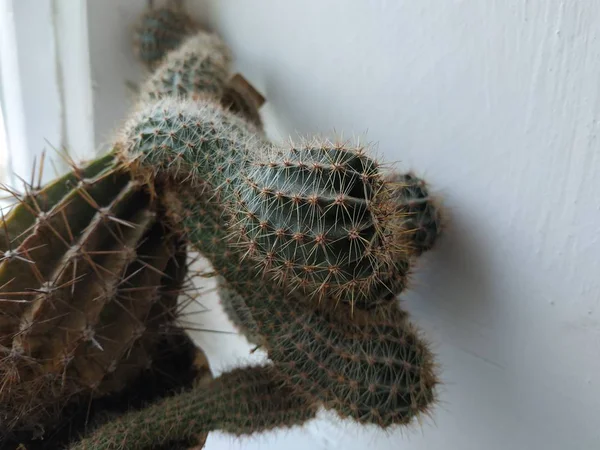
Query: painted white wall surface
{"points": [[497, 104]]}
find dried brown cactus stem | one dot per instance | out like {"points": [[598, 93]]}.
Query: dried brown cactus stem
{"points": [[89, 279]]}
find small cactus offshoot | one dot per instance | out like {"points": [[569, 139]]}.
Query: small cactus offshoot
{"points": [[419, 209]]}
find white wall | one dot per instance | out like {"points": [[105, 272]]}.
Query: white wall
{"points": [[497, 103]]}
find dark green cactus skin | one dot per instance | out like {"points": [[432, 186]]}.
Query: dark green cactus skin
{"points": [[373, 367], [158, 32], [421, 214], [243, 401]]}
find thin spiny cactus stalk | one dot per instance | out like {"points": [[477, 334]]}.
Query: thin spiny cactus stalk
{"points": [[240, 402]]}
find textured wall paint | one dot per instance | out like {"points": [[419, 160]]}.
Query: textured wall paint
{"points": [[497, 103]]}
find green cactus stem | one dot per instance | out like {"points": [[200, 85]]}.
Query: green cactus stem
{"points": [[315, 217], [244, 401], [90, 271], [377, 371], [160, 31]]}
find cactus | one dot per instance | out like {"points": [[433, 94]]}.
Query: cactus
{"points": [[198, 143], [176, 364], [311, 245], [243, 401], [319, 217], [421, 212], [370, 365], [199, 66], [237, 311], [160, 31], [90, 273]]}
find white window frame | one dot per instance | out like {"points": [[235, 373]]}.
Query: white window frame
{"points": [[45, 86]]}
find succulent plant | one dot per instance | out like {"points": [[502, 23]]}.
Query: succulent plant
{"points": [[90, 274], [199, 66], [420, 211], [160, 30], [364, 360], [243, 401], [311, 244]]}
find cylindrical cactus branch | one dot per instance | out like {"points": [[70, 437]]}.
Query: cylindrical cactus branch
{"points": [[159, 31], [199, 66], [90, 272], [240, 402], [318, 217]]}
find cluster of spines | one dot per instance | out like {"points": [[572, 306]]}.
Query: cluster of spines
{"points": [[90, 270]]}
